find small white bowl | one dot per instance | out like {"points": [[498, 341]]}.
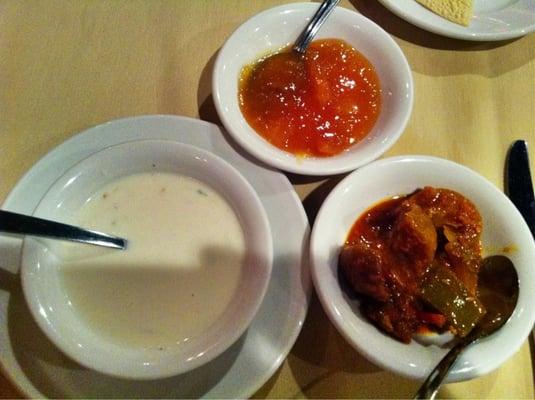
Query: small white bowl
{"points": [[280, 26], [47, 298], [503, 226]]}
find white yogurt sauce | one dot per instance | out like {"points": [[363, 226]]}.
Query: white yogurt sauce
{"points": [[182, 267]]}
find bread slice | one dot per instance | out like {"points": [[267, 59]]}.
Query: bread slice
{"points": [[458, 11]]}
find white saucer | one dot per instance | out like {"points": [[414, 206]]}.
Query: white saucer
{"points": [[39, 369], [492, 20]]}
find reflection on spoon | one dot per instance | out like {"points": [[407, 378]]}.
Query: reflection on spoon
{"points": [[498, 291]]}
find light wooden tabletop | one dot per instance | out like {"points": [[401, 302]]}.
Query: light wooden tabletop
{"points": [[67, 66]]}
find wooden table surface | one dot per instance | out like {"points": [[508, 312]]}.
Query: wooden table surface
{"points": [[67, 66]]}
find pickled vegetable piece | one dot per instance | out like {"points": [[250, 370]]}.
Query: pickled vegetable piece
{"points": [[461, 225], [398, 317], [365, 269], [414, 235], [445, 292]]}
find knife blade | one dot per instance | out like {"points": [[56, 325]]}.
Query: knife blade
{"points": [[519, 188], [518, 184]]}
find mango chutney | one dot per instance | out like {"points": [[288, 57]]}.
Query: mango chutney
{"points": [[319, 104]]}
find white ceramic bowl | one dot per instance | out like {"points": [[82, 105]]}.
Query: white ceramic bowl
{"points": [[280, 26], [502, 226], [47, 298]]}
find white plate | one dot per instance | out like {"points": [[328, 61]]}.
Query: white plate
{"points": [[40, 370], [492, 20]]}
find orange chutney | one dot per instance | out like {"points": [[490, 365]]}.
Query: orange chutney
{"points": [[316, 105]]}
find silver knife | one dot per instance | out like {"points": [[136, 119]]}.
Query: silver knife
{"points": [[518, 184], [519, 188]]}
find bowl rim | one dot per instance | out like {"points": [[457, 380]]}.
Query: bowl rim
{"points": [[313, 166], [177, 364], [337, 317]]}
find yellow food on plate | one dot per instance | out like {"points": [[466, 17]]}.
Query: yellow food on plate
{"points": [[458, 11]]}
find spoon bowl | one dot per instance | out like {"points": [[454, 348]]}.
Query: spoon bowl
{"points": [[498, 292]]}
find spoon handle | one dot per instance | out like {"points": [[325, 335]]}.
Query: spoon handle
{"points": [[429, 388], [311, 29], [11, 222]]}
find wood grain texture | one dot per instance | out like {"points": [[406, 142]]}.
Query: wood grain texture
{"points": [[67, 66]]}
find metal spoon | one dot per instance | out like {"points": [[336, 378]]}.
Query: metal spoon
{"points": [[293, 61], [498, 291], [314, 25], [11, 222], [283, 60]]}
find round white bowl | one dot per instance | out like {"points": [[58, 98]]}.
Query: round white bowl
{"points": [[280, 26], [48, 301], [503, 226]]}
